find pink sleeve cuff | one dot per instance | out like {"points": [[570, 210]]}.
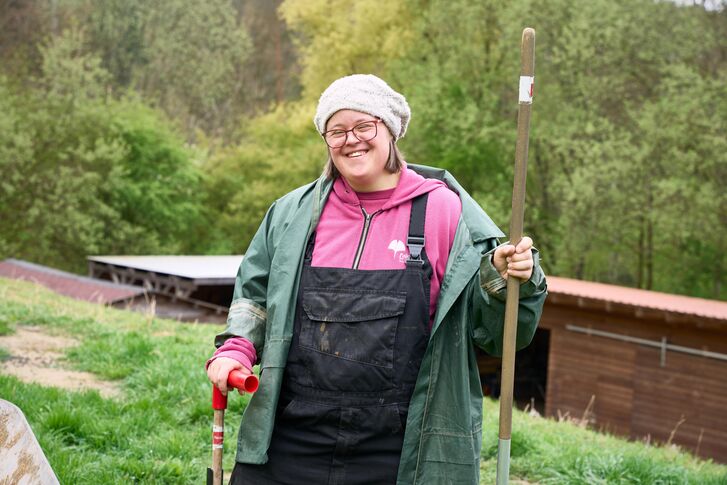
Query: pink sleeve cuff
{"points": [[237, 348]]}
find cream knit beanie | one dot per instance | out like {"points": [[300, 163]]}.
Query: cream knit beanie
{"points": [[368, 94]]}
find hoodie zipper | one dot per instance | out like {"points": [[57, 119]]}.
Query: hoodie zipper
{"points": [[364, 233]]}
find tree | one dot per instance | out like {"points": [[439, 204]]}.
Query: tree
{"points": [[270, 75], [277, 153], [194, 51], [683, 154], [22, 25], [335, 38], [83, 174], [604, 172]]}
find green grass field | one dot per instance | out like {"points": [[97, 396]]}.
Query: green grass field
{"points": [[159, 430]]}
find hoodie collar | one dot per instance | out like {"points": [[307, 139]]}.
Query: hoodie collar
{"points": [[410, 185]]}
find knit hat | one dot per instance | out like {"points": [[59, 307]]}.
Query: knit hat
{"points": [[368, 94]]}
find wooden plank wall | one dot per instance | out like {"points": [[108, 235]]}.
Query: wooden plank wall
{"points": [[686, 397], [580, 368], [633, 395]]}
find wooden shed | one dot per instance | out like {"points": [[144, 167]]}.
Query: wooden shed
{"points": [[641, 364]]}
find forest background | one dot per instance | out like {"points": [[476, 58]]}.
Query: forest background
{"points": [[168, 127]]}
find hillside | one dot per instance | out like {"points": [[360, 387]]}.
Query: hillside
{"points": [[136, 404]]}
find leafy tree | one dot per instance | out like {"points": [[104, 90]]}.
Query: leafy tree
{"points": [[22, 26], [601, 173], [277, 153], [194, 52], [683, 158], [87, 175], [270, 74], [340, 37], [116, 33], [183, 56]]}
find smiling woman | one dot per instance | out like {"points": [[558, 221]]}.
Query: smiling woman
{"points": [[342, 293], [361, 157]]}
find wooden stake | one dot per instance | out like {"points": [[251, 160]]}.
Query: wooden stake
{"points": [[218, 434], [527, 70]]}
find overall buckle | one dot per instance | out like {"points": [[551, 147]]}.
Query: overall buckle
{"points": [[416, 244]]}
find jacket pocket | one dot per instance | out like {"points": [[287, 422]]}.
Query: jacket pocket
{"points": [[448, 459], [448, 448], [354, 325]]}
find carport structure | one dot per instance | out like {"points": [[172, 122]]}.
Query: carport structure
{"points": [[185, 287]]}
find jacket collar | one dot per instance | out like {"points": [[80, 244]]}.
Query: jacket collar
{"points": [[480, 226]]}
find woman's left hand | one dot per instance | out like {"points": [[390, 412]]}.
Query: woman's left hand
{"points": [[515, 261]]}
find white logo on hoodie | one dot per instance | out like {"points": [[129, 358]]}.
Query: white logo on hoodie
{"points": [[397, 246]]}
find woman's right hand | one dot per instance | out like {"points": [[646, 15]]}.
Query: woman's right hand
{"points": [[219, 369]]}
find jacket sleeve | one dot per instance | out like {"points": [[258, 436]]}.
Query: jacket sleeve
{"points": [[488, 291], [248, 312]]}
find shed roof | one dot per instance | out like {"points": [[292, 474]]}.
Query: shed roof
{"points": [[69, 284], [637, 298], [203, 269]]}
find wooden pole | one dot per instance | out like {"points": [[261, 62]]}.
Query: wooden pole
{"points": [[218, 428], [527, 71]]}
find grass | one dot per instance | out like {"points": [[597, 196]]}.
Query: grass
{"points": [[549, 452], [159, 431]]}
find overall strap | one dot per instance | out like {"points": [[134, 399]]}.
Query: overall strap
{"points": [[415, 239]]}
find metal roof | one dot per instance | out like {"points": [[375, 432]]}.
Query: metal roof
{"points": [[69, 284], [207, 268], [634, 297]]}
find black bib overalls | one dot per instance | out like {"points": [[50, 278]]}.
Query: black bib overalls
{"points": [[358, 343]]}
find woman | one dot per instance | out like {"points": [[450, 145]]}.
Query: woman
{"points": [[364, 293]]}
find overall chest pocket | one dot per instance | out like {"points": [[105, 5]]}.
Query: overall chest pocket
{"points": [[354, 325]]}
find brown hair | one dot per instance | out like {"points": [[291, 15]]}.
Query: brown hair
{"points": [[393, 164]]}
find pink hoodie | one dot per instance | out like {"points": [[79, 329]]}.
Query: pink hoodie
{"points": [[339, 231]]}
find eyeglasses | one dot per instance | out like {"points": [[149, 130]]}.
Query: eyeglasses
{"points": [[363, 132]]}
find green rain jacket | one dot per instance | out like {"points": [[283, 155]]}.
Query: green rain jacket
{"points": [[444, 428]]}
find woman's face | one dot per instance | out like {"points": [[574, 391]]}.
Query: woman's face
{"points": [[362, 163]]}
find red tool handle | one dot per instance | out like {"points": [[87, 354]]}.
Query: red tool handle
{"points": [[238, 380], [244, 381]]}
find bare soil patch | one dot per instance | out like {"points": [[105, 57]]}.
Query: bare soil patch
{"points": [[37, 357]]}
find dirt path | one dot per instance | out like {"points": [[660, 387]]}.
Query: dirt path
{"points": [[36, 356]]}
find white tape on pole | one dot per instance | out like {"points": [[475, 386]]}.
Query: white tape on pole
{"points": [[527, 83]]}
